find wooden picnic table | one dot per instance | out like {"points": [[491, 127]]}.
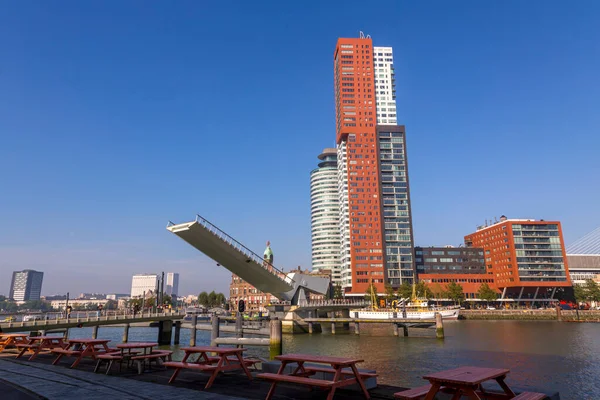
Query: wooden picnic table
{"points": [[344, 370], [84, 348], [36, 344], [129, 350], [11, 340], [226, 359], [467, 381]]}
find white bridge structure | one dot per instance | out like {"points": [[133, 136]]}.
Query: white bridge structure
{"points": [[252, 268]]}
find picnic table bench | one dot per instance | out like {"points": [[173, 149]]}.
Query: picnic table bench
{"points": [[344, 369], [467, 381], [81, 348], [36, 344], [8, 340], [227, 359]]}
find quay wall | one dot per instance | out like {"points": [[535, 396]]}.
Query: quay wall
{"points": [[532, 315]]}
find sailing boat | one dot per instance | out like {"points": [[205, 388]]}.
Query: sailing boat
{"points": [[417, 308]]}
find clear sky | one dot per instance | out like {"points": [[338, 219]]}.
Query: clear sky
{"points": [[118, 116]]}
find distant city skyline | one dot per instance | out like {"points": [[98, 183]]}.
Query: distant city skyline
{"points": [[113, 123]]}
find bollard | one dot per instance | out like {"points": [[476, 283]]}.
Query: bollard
{"points": [[239, 329], [395, 326], [356, 328], [333, 328], [310, 327], [275, 344], [126, 333], [558, 313], [439, 326], [214, 334], [405, 330], [95, 332], [177, 332], [66, 335]]}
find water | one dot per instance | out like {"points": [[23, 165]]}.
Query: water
{"points": [[546, 355]]}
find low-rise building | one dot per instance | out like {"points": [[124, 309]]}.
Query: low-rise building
{"points": [[77, 303], [583, 256]]}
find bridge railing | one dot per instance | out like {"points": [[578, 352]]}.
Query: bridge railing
{"points": [[243, 249], [333, 302], [118, 318]]}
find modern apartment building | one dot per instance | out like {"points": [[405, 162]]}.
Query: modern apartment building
{"points": [[325, 214], [371, 252], [26, 285], [525, 257], [583, 257], [172, 284], [144, 284]]}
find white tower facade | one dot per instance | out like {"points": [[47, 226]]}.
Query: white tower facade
{"points": [[385, 85], [325, 213], [143, 283], [172, 284]]}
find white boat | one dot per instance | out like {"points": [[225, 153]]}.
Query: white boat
{"points": [[446, 312], [415, 309]]}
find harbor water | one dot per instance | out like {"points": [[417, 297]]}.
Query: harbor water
{"points": [[543, 355]]}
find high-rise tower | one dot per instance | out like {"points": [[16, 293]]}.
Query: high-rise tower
{"points": [[375, 221], [324, 216]]}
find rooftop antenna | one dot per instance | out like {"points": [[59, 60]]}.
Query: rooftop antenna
{"points": [[361, 35]]}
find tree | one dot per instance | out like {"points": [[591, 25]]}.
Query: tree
{"points": [[203, 299], [220, 299], [111, 305], [405, 291], [337, 292], [212, 299], [455, 292], [580, 293], [486, 293], [423, 290], [592, 291], [390, 293], [438, 291], [167, 299]]}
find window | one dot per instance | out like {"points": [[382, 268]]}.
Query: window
{"points": [[431, 260], [445, 260]]}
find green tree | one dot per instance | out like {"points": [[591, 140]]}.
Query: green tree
{"points": [[579, 293], [221, 299], [212, 299], [2, 298], [455, 292], [390, 293], [203, 299], [486, 293], [111, 305], [150, 302], [438, 291], [337, 292], [592, 291], [167, 299], [423, 290], [405, 291]]}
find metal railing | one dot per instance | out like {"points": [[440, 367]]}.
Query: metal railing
{"points": [[118, 318], [212, 228], [333, 302]]}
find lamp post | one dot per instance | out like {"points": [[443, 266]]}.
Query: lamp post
{"points": [[67, 306]]}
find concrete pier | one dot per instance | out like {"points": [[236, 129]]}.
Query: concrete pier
{"points": [[177, 332], [193, 332], [214, 334], [439, 326], [95, 332], [276, 346], [126, 333], [357, 328], [165, 329]]}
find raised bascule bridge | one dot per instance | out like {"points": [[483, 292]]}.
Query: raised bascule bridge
{"points": [[292, 289]]}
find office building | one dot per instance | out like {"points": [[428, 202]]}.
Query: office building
{"points": [[525, 257], [375, 248], [172, 284], [144, 285], [26, 285], [325, 214], [439, 266], [584, 258]]}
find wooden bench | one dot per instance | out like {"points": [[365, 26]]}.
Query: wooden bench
{"points": [[158, 356], [413, 394], [345, 371], [301, 380], [67, 352], [110, 358], [530, 396]]}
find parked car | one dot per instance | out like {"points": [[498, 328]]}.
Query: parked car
{"points": [[490, 308], [36, 317]]}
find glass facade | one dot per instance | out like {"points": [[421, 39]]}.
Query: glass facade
{"points": [[398, 236], [539, 253]]}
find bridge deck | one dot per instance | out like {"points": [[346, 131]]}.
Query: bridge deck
{"points": [[232, 255], [373, 321]]}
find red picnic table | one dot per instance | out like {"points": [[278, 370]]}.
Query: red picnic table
{"points": [[11, 340], [81, 348], [467, 380], [36, 344], [344, 370], [226, 359]]}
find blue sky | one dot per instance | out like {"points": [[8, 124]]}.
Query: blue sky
{"points": [[116, 117]]}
